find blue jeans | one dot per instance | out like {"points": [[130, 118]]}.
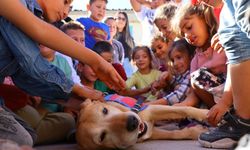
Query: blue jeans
{"points": [[234, 30], [20, 58]]}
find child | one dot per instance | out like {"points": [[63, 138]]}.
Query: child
{"points": [[105, 50], [145, 13], [197, 24], [162, 19], [95, 30], [180, 55], [87, 75], [234, 35], [62, 64], [160, 46], [75, 31], [21, 59], [145, 75]]}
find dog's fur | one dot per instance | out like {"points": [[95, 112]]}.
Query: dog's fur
{"points": [[111, 125]]}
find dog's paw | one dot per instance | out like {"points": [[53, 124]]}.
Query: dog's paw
{"points": [[199, 114], [195, 131]]}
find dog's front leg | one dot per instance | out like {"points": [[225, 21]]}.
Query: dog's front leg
{"points": [[161, 112], [188, 133]]}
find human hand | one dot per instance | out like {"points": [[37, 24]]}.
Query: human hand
{"points": [[109, 76], [216, 112], [34, 101], [87, 92], [215, 43], [155, 86]]}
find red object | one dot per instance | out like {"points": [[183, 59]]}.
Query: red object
{"points": [[194, 2], [119, 68], [14, 98]]}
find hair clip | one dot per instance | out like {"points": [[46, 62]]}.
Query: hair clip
{"points": [[194, 2]]}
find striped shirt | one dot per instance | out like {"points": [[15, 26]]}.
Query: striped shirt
{"points": [[181, 84]]}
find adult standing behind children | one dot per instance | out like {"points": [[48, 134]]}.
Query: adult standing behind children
{"points": [[95, 30], [145, 12], [118, 47], [21, 59], [124, 36]]}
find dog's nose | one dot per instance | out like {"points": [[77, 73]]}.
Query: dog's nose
{"points": [[132, 123]]}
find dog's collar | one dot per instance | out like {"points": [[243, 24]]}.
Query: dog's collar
{"points": [[144, 130]]}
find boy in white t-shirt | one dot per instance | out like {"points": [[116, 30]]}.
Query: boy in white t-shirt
{"points": [[145, 11]]}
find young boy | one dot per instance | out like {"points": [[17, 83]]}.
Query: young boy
{"points": [[76, 31], [95, 30], [21, 59], [105, 50]]}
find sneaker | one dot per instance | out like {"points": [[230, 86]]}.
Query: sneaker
{"points": [[244, 143], [227, 134]]}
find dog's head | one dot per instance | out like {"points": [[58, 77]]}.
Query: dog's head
{"points": [[107, 126]]}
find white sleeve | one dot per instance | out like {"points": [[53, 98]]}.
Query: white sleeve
{"points": [[76, 79]]}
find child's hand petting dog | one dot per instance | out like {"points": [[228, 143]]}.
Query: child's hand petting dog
{"points": [[87, 92], [162, 82]]}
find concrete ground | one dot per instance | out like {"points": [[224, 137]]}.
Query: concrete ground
{"points": [[148, 145]]}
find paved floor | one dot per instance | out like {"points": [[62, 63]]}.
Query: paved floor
{"points": [[148, 145]]}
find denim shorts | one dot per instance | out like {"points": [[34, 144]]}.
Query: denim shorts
{"points": [[234, 30], [238, 48]]}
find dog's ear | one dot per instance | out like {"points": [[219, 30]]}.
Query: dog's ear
{"points": [[86, 103]]}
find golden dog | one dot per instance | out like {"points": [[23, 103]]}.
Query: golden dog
{"points": [[110, 125]]}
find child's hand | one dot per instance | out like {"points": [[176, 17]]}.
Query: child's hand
{"points": [[155, 86], [160, 83], [34, 101], [87, 92], [109, 76], [216, 112], [215, 43]]}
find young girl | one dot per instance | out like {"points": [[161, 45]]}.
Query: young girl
{"points": [[177, 79], [145, 75], [160, 46], [197, 24], [162, 19]]}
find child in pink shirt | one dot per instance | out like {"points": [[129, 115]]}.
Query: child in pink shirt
{"points": [[197, 24]]}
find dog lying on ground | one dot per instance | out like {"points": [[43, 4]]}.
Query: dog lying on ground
{"points": [[111, 125]]}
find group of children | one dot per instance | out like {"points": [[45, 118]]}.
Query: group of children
{"points": [[182, 66]]}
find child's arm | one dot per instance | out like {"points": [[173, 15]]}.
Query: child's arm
{"points": [[218, 110], [134, 92], [190, 100], [160, 101], [163, 81], [176, 95], [87, 92], [136, 4], [50, 36]]}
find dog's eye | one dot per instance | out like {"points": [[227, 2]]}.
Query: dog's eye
{"points": [[105, 111], [102, 137]]}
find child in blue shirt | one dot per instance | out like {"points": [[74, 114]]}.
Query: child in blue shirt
{"points": [[95, 30]]}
